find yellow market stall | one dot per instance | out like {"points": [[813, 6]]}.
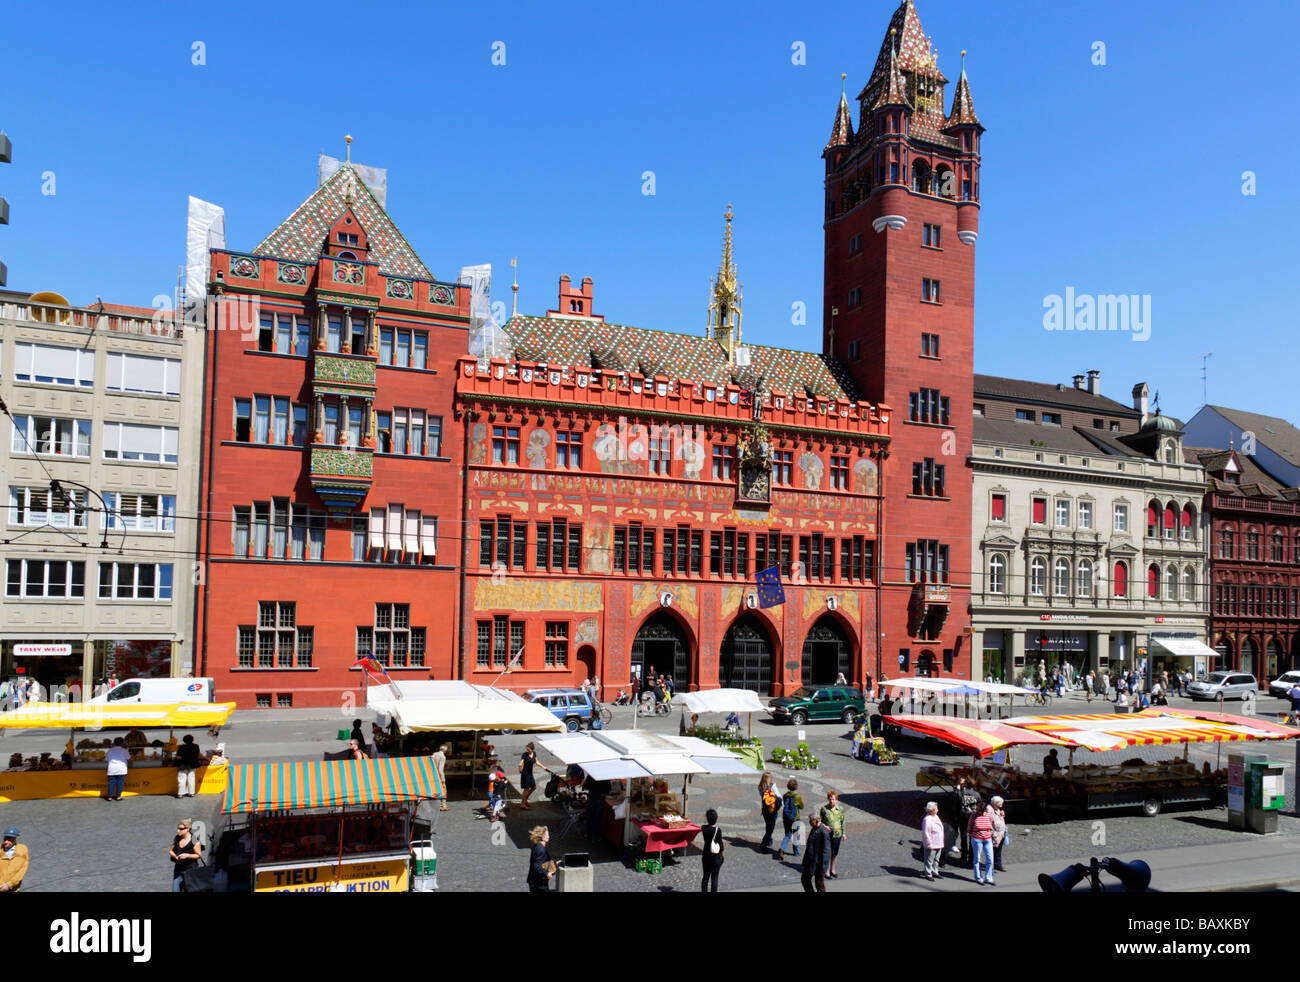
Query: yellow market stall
{"points": [[317, 826], [79, 770]]}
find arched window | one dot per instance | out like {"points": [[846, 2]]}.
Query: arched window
{"points": [[1189, 583], [1121, 579], [997, 573], [1170, 520], [1083, 587], [1061, 578], [1252, 543], [1037, 576], [1171, 583], [1187, 533], [945, 182], [1277, 552], [1153, 519], [1153, 581], [920, 177], [1170, 451]]}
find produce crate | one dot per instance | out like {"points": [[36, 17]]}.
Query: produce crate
{"points": [[650, 864]]}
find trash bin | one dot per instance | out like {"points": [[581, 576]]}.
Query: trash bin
{"points": [[574, 874], [424, 867]]}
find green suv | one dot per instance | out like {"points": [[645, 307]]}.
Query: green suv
{"points": [[818, 703]]}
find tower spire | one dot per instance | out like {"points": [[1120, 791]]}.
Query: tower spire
{"points": [[724, 300], [842, 128]]}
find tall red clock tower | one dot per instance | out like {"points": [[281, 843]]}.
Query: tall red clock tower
{"points": [[901, 221]]}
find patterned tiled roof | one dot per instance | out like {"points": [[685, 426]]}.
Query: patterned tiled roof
{"points": [[907, 49], [893, 90], [905, 34], [963, 107], [842, 131], [302, 235], [559, 340]]}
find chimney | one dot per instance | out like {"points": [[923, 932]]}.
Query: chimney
{"points": [[1078, 381], [1140, 394], [1094, 383]]}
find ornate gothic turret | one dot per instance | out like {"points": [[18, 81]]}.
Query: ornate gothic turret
{"points": [[724, 297]]}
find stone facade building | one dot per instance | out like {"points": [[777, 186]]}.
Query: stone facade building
{"points": [[1088, 543]]}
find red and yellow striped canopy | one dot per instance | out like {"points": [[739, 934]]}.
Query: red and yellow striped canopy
{"points": [[980, 737], [330, 783]]}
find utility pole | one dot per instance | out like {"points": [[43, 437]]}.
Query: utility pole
{"points": [[6, 157]]}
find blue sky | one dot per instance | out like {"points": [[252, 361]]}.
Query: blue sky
{"points": [[1122, 178]]}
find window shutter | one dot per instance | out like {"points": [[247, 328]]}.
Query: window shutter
{"points": [[1187, 518], [395, 528], [412, 532], [1153, 582], [376, 528], [1151, 516], [1169, 517], [429, 537], [999, 508], [1121, 580], [1040, 511]]}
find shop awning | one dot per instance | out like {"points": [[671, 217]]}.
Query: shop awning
{"points": [[116, 716], [1186, 647], [944, 684], [329, 783], [979, 737], [720, 701]]}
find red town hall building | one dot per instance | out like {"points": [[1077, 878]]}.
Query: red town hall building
{"points": [[330, 475], [901, 220]]}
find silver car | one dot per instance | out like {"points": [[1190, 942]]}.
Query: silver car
{"points": [[1231, 685]]}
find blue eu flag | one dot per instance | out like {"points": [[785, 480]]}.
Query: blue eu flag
{"points": [[770, 591]]}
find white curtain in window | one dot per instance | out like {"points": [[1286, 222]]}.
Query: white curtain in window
{"points": [[412, 532], [429, 537], [395, 528], [376, 528]]}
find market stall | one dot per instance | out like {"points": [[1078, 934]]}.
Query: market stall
{"points": [[1130, 783], [644, 761], [729, 701], [315, 826], [78, 769], [456, 714], [933, 696]]}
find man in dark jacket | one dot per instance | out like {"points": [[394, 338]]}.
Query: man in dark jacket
{"points": [[816, 856], [965, 802]]}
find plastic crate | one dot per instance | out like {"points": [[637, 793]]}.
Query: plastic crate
{"points": [[650, 864]]}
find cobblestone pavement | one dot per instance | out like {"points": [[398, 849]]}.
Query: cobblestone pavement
{"points": [[94, 845]]}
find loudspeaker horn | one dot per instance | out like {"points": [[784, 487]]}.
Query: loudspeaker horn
{"points": [[1064, 881], [1135, 877]]}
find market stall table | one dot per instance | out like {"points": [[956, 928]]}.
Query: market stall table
{"points": [[659, 838]]}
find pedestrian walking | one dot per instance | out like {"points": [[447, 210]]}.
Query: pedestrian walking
{"points": [[117, 759], [356, 733], [769, 805], [440, 764], [791, 809], [714, 852], [1087, 686], [980, 830], [832, 816], [868, 687], [13, 861], [540, 867], [931, 839], [816, 857], [185, 853], [998, 817], [528, 783], [965, 801], [187, 759]]}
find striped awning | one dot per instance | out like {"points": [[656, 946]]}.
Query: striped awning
{"points": [[330, 783], [980, 737]]}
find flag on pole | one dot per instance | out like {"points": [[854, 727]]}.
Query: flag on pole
{"points": [[374, 670], [770, 591]]}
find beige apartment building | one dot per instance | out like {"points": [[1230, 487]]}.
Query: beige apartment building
{"points": [[1088, 544], [100, 467]]}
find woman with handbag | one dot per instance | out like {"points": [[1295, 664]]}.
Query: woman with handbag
{"points": [[714, 852], [186, 851], [769, 804]]}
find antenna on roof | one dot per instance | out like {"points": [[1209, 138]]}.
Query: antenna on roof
{"points": [[1205, 399]]}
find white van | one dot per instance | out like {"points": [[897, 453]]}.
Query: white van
{"points": [[155, 692]]}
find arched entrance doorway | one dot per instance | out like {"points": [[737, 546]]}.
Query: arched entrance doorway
{"points": [[661, 644], [746, 657], [586, 667], [925, 665], [1248, 653], [826, 653]]}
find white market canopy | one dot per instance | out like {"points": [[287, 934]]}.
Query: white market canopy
{"points": [[425, 706], [609, 755], [720, 701], [944, 685]]}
